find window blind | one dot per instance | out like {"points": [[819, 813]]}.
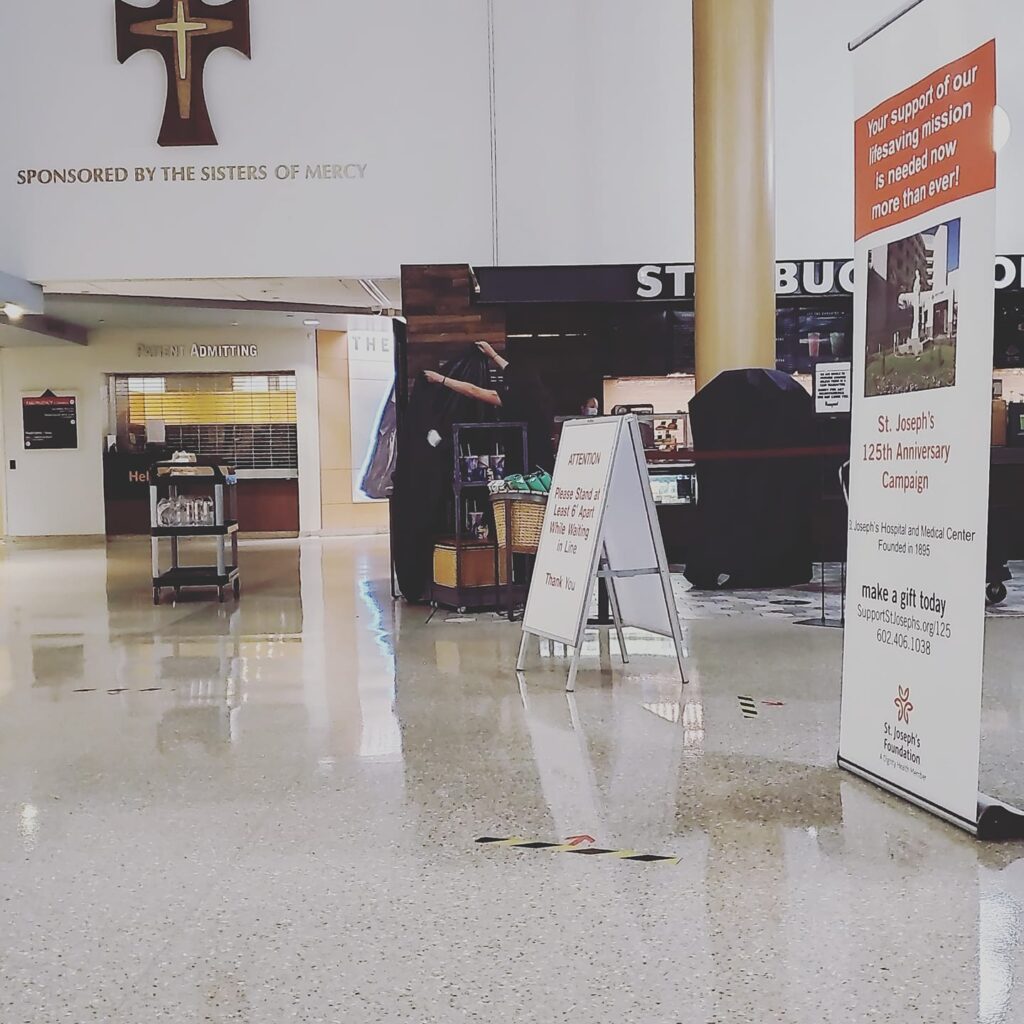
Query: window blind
{"points": [[247, 419]]}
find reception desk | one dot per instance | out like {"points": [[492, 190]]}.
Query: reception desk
{"points": [[268, 500]]}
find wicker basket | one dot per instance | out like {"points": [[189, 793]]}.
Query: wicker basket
{"points": [[519, 520]]}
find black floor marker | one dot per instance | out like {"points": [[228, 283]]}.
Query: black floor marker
{"points": [[748, 706]]}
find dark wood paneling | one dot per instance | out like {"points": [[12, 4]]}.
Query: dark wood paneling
{"points": [[268, 506], [438, 304], [127, 517], [435, 288]]}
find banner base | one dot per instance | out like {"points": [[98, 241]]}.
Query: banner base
{"points": [[995, 820], [906, 794]]}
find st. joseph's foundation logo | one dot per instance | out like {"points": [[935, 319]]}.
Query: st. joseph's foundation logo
{"points": [[184, 33], [903, 705]]}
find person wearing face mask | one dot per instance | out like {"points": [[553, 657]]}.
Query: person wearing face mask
{"points": [[522, 399], [591, 407]]}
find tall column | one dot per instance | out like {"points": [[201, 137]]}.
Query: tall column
{"points": [[734, 177]]}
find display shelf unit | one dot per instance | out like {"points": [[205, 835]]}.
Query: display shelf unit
{"points": [[467, 589], [673, 483], [204, 478]]}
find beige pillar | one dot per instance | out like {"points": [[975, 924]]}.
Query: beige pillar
{"points": [[734, 178]]}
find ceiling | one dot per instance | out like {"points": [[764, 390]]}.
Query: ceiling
{"points": [[95, 313], [296, 292], [264, 303]]}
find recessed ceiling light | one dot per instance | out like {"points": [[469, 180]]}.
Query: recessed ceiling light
{"points": [[234, 323], [311, 323]]}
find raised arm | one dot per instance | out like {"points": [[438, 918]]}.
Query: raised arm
{"points": [[462, 387], [488, 351]]}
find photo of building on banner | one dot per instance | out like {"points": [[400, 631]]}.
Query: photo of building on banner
{"points": [[925, 175], [912, 312]]}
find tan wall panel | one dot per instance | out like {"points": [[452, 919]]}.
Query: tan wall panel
{"points": [[339, 513]]}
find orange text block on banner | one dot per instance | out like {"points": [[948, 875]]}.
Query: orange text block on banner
{"points": [[929, 145]]}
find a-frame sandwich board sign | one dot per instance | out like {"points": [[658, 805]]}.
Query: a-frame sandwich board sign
{"points": [[600, 521]]}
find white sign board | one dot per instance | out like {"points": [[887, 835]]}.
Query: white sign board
{"points": [[560, 593], [600, 510], [921, 418], [833, 386]]}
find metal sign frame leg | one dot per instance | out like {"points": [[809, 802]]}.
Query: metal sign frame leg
{"points": [[613, 600], [663, 570], [570, 683], [521, 659], [677, 633]]}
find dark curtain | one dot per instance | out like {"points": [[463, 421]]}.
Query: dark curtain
{"points": [[424, 473]]}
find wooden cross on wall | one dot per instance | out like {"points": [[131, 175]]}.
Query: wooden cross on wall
{"points": [[184, 33]]}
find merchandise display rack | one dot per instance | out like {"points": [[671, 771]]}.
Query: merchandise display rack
{"points": [[166, 480], [464, 596]]}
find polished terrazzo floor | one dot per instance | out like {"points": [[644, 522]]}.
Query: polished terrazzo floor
{"points": [[268, 813]]}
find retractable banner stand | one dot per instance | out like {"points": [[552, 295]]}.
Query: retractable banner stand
{"points": [[921, 412], [600, 522]]}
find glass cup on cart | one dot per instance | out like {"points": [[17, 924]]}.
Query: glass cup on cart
{"points": [[182, 511], [477, 527], [166, 513]]}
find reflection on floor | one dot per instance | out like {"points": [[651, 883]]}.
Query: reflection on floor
{"points": [[812, 600], [818, 599], [267, 812]]}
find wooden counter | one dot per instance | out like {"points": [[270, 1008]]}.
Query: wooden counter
{"points": [[264, 505]]}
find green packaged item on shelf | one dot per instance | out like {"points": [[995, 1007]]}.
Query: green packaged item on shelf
{"points": [[540, 481]]}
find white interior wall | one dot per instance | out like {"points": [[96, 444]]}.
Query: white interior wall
{"points": [[61, 493], [1007, 19], [592, 130], [397, 86], [814, 114]]}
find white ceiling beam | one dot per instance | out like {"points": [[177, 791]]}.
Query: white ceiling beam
{"points": [[22, 293]]}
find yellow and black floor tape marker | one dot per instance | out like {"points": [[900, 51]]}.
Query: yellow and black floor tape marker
{"points": [[748, 706], [584, 851]]}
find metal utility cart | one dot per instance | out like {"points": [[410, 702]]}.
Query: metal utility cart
{"points": [[194, 499]]}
